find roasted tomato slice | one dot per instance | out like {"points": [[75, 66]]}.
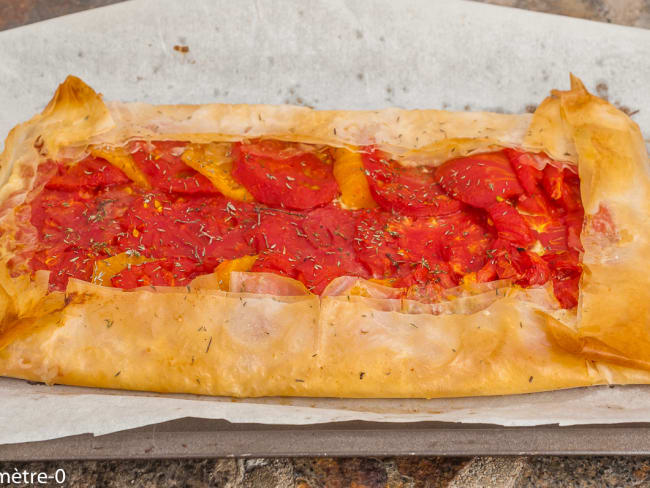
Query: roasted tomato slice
{"points": [[394, 246], [536, 203], [284, 175], [526, 168], [553, 181], [64, 264], [432, 270], [570, 197], [427, 282], [90, 173], [552, 234], [510, 225], [545, 219], [200, 228], [551, 205], [566, 270], [390, 246], [574, 221], [405, 190], [162, 272], [479, 180], [523, 267], [161, 162], [314, 247], [460, 239], [79, 219], [562, 186], [376, 243], [469, 256]]}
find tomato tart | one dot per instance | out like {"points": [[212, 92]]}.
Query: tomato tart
{"points": [[256, 250]]}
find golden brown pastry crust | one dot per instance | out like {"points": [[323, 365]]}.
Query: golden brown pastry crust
{"points": [[497, 340]]}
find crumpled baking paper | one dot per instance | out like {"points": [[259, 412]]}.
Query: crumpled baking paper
{"points": [[339, 54], [38, 412]]}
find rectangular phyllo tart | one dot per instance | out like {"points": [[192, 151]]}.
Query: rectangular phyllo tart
{"points": [[253, 250]]}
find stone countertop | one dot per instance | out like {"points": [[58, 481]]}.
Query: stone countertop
{"points": [[367, 472], [635, 13], [480, 471]]}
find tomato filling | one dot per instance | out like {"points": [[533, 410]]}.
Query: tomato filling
{"points": [[502, 215], [166, 171], [405, 190], [285, 175]]}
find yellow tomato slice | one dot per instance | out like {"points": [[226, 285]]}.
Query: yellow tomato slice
{"points": [[222, 272], [120, 158], [105, 269], [213, 161], [351, 178]]}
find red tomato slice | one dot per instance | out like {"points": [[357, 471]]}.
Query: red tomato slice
{"points": [[479, 180], [523, 267], [553, 181], [566, 270], [545, 219], [570, 199], [393, 246], [376, 244], [161, 162], [488, 272], [431, 271], [75, 229], [550, 194], [64, 264], [559, 184], [551, 233], [555, 230], [526, 169], [574, 221], [89, 173], [554, 209], [314, 247], [205, 230], [510, 225], [462, 240], [163, 272], [536, 203], [567, 291], [426, 283], [78, 219], [282, 175], [405, 190]]}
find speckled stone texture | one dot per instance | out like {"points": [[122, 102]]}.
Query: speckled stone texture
{"points": [[634, 13], [536, 471], [432, 472], [14, 13]]}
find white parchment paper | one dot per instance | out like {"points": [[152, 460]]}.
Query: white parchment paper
{"points": [[343, 54]]}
